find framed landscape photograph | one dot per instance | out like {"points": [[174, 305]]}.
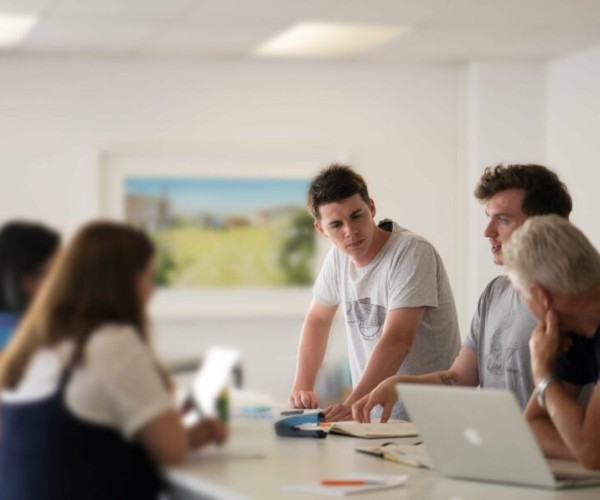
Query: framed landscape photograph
{"points": [[225, 232], [232, 232]]}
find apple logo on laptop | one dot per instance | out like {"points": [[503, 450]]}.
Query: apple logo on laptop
{"points": [[472, 436]]}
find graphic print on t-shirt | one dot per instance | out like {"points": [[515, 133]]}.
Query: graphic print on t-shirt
{"points": [[502, 359], [366, 317]]}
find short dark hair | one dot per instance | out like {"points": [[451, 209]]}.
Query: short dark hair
{"points": [[334, 184], [24, 248], [544, 192]]}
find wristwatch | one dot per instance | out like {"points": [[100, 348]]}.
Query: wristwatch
{"points": [[540, 390]]}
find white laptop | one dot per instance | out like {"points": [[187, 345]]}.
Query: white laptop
{"points": [[215, 369], [482, 435]]}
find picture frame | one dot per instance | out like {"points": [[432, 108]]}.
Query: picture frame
{"points": [[244, 301]]}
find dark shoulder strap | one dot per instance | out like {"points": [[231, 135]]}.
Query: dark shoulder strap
{"points": [[386, 225], [74, 359]]}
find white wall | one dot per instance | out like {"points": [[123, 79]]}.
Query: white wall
{"points": [[59, 115], [573, 139], [505, 123], [400, 126], [420, 134]]}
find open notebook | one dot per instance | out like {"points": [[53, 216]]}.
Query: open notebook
{"points": [[373, 430]]}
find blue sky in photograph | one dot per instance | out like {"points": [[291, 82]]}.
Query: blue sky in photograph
{"points": [[221, 195]]}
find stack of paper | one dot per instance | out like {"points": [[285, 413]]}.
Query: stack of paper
{"points": [[349, 484]]}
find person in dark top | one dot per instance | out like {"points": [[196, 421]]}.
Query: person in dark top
{"points": [[26, 252], [557, 271]]}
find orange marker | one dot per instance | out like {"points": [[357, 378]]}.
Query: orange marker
{"points": [[346, 482]]}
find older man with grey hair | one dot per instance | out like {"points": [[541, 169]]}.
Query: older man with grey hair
{"points": [[557, 271]]}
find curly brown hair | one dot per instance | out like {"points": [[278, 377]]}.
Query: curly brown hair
{"points": [[333, 184], [544, 191]]}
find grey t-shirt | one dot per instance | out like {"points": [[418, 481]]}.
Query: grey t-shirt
{"points": [[407, 272], [499, 336]]}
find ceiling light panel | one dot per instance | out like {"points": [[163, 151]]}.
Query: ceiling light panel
{"points": [[323, 40], [15, 28]]}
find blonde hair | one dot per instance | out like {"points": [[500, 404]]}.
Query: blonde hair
{"points": [[550, 251]]}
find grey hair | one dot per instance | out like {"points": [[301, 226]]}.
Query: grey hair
{"points": [[550, 251]]}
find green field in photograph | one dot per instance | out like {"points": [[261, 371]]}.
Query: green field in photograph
{"points": [[269, 255]]}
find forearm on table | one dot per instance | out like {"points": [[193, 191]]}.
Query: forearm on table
{"points": [[550, 441], [464, 371], [548, 436], [447, 377], [574, 430], [386, 358]]}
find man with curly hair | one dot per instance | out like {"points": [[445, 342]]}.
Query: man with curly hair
{"points": [[495, 353]]}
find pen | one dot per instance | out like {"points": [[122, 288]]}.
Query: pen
{"points": [[256, 409], [292, 412], [347, 482]]}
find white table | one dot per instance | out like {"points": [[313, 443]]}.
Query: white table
{"points": [[304, 460]]}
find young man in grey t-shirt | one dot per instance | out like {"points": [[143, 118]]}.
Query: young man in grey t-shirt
{"points": [[398, 306], [495, 353]]}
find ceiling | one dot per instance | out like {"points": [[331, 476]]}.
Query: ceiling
{"points": [[441, 30]]}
